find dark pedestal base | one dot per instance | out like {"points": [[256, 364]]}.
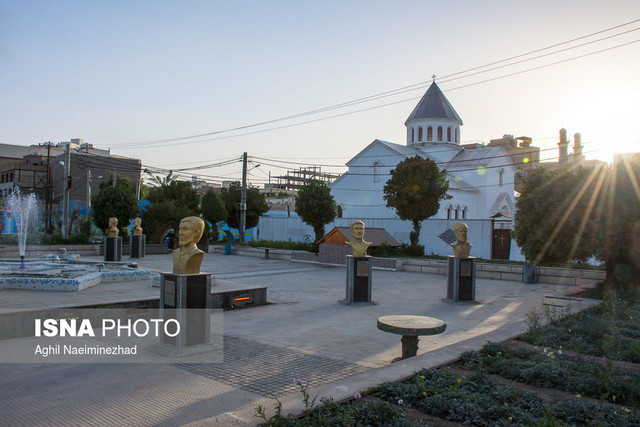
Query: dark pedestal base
{"points": [[409, 346], [461, 279], [138, 246], [359, 271], [113, 248], [410, 327], [186, 298]]}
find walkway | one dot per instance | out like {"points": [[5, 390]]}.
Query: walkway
{"points": [[305, 333]]}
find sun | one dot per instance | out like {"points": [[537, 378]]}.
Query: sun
{"points": [[607, 120], [605, 147]]}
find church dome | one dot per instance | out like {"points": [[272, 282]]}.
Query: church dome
{"points": [[434, 105], [434, 119]]}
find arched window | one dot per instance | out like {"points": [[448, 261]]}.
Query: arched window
{"points": [[413, 132], [420, 133], [501, 176], [448, 134], [376, 172], [429, 133], [339, 211], [457, 210], [439, 133], [457, 135], [449, 212], [464, 212]]}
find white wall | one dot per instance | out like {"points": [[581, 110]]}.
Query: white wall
{"points": [[293, 229], [434, 123], [359, 192]]}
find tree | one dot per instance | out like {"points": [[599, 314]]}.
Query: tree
{"points": [[256, 205], [316, 206], [169, 204], [415, 189], [619, 231], [115, 201], [159, 180], [213, 209], [555, 220]]}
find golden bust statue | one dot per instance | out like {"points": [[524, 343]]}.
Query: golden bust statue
{"points": [[137, 230], [462, 247], [358, 246], [113, 227], [188, 258]]}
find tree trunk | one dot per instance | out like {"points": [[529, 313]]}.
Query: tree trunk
{"points": [[623, 275], [319, 232], [414, 236]]}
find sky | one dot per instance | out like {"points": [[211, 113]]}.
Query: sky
{"points": [[142, 78]]}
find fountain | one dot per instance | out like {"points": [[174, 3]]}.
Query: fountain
{"points": [[23, 209], [61, 272]]}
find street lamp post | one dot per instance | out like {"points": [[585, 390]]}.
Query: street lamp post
{"points": [[67, 167], [89, 200], [243, 199]]}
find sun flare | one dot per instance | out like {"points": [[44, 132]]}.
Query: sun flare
{"points": [[608, 122]]}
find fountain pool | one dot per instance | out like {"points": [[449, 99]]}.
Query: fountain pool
{"points": [[54, 272], [67, 274]]}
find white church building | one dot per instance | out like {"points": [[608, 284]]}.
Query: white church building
{"points": [[480, 177], [481, 186]]}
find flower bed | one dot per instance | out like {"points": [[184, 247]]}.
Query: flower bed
{"points": [[612, 329], [581, 375], [578, 370]]}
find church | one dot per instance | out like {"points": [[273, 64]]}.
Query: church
{"points": [[481, 178]]}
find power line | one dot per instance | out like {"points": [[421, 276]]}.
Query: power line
{"points": [[540, 56], [287, 165], [402, 100], [453, 189], [191, 163], [545, 48], [534, 150], [405, 88]]}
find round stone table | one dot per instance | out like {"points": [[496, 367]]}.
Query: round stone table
{"points": [[411, 327]]}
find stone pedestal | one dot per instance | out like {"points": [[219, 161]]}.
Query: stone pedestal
{"points": [[138, 245], [461, 279], [359, 271], [411, 327], [113, 248], [186, 298]]}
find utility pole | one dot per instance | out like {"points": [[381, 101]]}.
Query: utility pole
{"points": [[139, 183], [243, 198], [89, 200], [48, 189], [67, 167]]}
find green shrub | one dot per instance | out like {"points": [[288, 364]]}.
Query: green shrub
{"points": [[552, 369], [355, 413], [476, 400], [45, 239], [79, 239], [611, 329], [584, 412], [384, 251], [279, 244]]}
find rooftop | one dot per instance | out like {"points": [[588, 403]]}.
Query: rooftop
{"points": [[434, 105]]}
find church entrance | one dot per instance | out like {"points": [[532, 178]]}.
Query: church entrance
{"points": [[501, 236]]}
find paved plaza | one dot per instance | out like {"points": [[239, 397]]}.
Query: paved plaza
{"points": [[303, 333]]}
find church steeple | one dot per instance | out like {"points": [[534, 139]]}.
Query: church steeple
{"points": [[434, 119]]}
